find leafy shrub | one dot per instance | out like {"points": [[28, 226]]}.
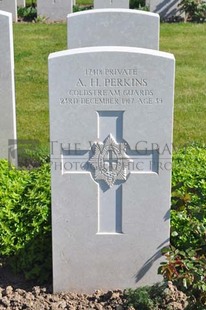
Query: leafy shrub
{"points": [[140, 298], [186, 258], [41, 20], [27, 13], [164, 296], [135, 4], [138, 4], [25, 228], [195, 10]]}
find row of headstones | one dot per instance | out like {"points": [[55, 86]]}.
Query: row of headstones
{"points": [[57, 10], [111, 196]]}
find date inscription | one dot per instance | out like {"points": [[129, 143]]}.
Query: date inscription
{"points": [[109, 86]]}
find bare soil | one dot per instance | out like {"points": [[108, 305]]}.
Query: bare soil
{"points": [[17, 294]]}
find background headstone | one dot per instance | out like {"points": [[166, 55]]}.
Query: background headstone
{"points": [[9, 6], [7, 90], [103, 4], [111, 111], [113, 27], [21, 3], [54, 10], [164, 8]]}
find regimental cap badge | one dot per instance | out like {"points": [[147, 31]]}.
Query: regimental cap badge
{"points": [[110, 161]]}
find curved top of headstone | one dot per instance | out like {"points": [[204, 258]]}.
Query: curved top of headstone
{"points": [[117, 49], [8, 14], [115, 10], [110, 27]]}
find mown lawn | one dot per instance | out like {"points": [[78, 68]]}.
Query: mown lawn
{"points": [[188, 43], [34, 42]]}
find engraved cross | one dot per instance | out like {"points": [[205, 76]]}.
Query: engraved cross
{"points": [[110, 165]]}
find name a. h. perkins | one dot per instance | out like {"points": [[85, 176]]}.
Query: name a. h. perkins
{"points": [[119, 82]]}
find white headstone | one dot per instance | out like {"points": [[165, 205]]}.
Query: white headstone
{"points": [[7, 91], [164, 8], [103, 4], [21, 3], [54, 10], [111, 111], [9, 6], [113, 27]]}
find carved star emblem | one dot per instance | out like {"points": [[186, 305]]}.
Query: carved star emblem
{"points": [[110, 161]]}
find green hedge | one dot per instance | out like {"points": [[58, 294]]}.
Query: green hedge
{"points": [[188, 215], [25, 227], [186, 257]]}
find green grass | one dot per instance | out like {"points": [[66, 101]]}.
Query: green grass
{"points": [[187, 42], [84, 2], [31, 2], [34, 42]]}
